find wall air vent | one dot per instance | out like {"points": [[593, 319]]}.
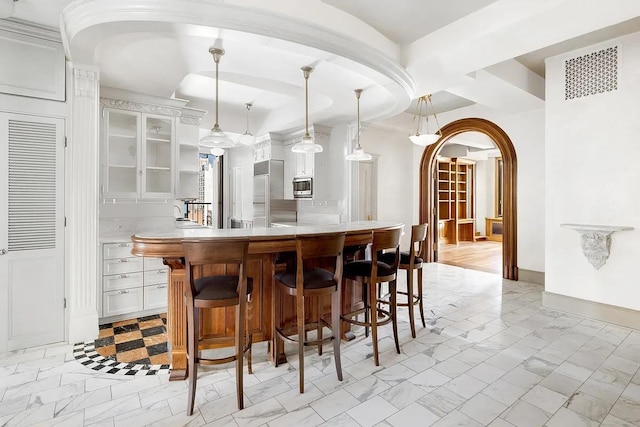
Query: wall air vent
{"points": [[591, 74]]}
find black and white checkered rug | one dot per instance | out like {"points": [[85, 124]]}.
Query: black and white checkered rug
{"points": [[86, 354]]}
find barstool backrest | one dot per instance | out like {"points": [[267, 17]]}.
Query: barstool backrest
{"points": [[320, 246], [227, 251], [383, 240], [418, 236]]}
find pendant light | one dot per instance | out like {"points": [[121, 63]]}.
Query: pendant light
{"points": [[216, 138], [424, 139], [306, 145], [247, 137], [217, 151], [358, 154]]}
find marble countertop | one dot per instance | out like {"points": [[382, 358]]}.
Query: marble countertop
{"points": [[266, 233]]}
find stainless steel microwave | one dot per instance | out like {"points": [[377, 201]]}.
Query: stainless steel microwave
{"points": [[303, 187]]}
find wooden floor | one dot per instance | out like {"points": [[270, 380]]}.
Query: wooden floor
{"points": [[482, 255]]}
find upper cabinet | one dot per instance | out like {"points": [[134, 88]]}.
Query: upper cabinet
{"points": [[137, 155], [187, 153], [148, 150], [33, 62]]}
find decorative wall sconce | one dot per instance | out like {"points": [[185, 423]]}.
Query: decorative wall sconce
{"points": [[595, 241]]}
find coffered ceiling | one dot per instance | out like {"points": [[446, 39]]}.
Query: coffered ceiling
{"points": [[461, 50]]}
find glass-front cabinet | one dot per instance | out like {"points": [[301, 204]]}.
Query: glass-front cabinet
{"points": [[138, 152]]}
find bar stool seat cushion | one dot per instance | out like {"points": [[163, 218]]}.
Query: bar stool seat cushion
{"points": [[405, 257], [219, 287], [313, 278], [363, 268]]}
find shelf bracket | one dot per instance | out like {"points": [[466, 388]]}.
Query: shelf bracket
{"points": [[595, 241]]}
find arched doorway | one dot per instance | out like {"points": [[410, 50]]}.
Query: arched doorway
{"points": [[428, 211]]}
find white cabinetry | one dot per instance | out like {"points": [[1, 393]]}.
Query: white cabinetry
{"points": [[131, 286], [304, 163], [187, 153], [137, 155]]}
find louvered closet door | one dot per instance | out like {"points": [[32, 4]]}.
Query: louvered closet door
{"points": [[31, 231]]}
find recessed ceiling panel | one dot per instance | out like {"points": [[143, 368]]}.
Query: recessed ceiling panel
{"points": [[405, 21]]}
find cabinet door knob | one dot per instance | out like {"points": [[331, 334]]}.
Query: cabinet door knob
{"points": [[3, 251]]}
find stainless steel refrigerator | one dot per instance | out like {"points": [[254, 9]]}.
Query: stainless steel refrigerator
{"points": [[269, 205]]}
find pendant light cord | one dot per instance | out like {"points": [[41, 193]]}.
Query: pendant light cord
{"points": [[306, 71], [248, 108], [358, 92], [217, 54]]}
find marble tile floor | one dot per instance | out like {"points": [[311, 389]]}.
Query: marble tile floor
{"points": [[490, 356]]}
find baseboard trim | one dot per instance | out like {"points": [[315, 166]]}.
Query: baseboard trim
{"points": [[531, 276], [592, 309]]}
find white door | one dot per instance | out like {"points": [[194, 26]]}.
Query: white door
{"points": [[31, 231], [364, 190]]}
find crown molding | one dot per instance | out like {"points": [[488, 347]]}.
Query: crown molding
{"points": [[82, 15], [30, 29]]}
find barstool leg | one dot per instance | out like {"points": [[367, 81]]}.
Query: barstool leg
{"points": [[240, 324], [249, 333], [301, 337], [374, 320], [192, 335], [424, 325], [412, 320], [394, 311], [335, 329], [276, 322], [367, 306], [319, 326]]}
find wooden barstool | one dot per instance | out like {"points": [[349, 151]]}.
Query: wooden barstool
{"points": [[369, 273], [411, 261], [312, 281], [232, 288]]}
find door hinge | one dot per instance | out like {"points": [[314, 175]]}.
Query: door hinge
{"points": [[65, 221], [65, 142], [65, 302]]}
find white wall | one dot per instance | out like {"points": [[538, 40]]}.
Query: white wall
{"points": [[397, 188], [592, 145]]}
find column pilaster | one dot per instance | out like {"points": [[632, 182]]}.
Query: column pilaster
{"points": [[82, 204]]}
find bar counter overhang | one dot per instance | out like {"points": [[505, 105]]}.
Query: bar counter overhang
{"points": [[265, 246]]}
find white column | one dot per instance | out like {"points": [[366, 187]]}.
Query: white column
{"points": [[82, 204]]}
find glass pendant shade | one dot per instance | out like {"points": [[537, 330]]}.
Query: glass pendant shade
{"points": [[216, 138], [425, 138], [217, 151], [306, 145], [247, 138], [358, 154]]}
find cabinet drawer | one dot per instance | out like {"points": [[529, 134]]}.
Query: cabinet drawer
{"points": [[156, 277], [121, 281], [122, 302], [155, 296], [121, 265], [116, 250], [153, 263]]}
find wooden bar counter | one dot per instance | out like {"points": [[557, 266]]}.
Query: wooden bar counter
{"points": [[265, 247]]}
